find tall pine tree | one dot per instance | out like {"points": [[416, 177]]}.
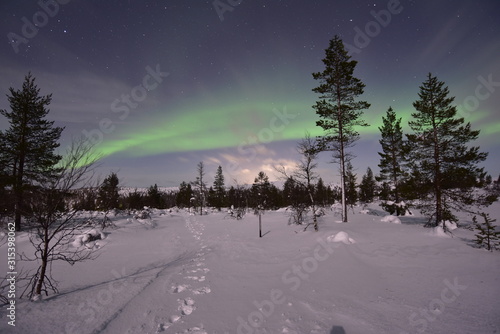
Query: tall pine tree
{"points": [[338, 109], [444, 167], [28, 145]]}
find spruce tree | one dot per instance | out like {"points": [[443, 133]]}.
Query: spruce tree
{"points": [[351, 185], [219, 189], [392, 157], [367, 187], [29, 144], [444, 167], [338, 109]]}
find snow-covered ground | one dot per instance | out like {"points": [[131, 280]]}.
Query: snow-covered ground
{"points": [[183, 273]]}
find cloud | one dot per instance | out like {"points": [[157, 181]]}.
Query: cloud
{"points": [[212, 160]]}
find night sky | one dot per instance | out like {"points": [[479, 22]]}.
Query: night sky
{"points": [[163, 85]]}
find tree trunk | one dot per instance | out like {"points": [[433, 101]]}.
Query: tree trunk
{"points": [[18, 190], [342, 159], [437, 179], [342, 184], [43, 269], [315, 221]]}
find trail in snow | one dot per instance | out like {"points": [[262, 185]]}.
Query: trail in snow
{"points": [[189, 287], [170, 292]]}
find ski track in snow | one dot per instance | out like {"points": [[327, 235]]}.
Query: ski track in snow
{"points": [[188, 287], [194, 273]]}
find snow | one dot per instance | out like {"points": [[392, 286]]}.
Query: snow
{"points": [[87, 237], [341, 237], [185, 273], [450, 225], [391, 219]]}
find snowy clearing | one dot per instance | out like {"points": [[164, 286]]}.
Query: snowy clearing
{"points": [[183, 273]]}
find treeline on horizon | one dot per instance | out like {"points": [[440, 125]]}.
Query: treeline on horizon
{"points": [[261, 194]]}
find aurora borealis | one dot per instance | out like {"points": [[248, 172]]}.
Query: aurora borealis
{"points": [[237, 92]]}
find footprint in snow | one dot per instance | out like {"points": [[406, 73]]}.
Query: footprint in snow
{"points": [[179, 288], [196, 330], [202, 291], [186, 306], [196, 278], [163, 327]]}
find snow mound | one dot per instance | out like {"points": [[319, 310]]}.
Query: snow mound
{"points": [[341, 237], [451, 225], [391, 219], [438, 231], [88, 236]]}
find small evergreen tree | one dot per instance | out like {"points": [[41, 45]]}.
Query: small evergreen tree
{"points": [[367, 187], [487, 235], [28, 146], [338, 109]]}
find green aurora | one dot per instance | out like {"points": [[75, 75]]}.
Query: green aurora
{"points": [[200, 127]]}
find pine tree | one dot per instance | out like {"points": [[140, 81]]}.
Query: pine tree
{"points": [[337, 108], [321, 193], [219, 189], [444, 168], [487, 235], [367, 187], [28, 145], [392, 157]]}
